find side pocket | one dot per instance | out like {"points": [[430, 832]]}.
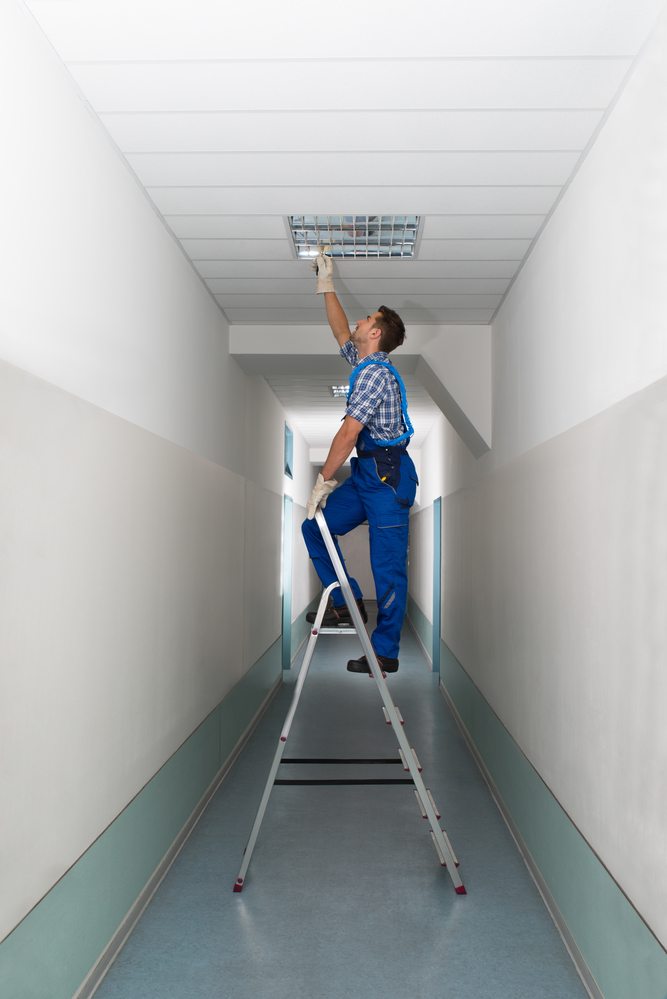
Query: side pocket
{"points": [[388, 470], [407, 488]]}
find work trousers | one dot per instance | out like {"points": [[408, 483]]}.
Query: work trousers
{"points": [[381, 490]]}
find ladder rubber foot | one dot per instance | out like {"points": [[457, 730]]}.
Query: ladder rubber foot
{"points": [[460, 890], [238, 884]]}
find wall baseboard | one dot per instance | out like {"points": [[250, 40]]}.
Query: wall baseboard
{"points": [[425, 651], [413, 611], [577, 957], [301, 628], [97, 973]]}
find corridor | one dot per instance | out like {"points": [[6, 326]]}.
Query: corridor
{"points": [[483, 187], [345, 896]]}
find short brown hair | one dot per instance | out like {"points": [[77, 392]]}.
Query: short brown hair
{"points": [[393, 330]]}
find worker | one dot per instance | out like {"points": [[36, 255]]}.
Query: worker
{"points": [[382, 486]]}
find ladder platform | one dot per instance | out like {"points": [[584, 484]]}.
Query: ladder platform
{"points": [[342, 630]]}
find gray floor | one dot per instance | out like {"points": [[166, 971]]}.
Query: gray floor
{"points": [[345, 897]]}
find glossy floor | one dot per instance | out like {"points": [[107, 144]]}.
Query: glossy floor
{"points": [[345, 897]]}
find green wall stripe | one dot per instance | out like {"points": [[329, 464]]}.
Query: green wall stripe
{"points": [[52, 950], [623, 956], [301, 628], [287, 560], [437, 584]]}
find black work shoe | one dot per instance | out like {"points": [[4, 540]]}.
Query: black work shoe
{"points": [[387, 665], [337, 617], [311, 615]]}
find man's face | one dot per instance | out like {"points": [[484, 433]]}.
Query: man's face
{"points": [[361, 332]]}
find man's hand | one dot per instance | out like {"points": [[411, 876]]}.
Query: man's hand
{"points": [[321, 490], [323, 267]]}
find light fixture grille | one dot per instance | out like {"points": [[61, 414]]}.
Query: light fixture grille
{"points": [[339, 391], [366, 236]]}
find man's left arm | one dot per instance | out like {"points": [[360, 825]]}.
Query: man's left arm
{"points": [[341, 446], [340, 449]]}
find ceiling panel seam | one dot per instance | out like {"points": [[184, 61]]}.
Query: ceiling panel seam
{"points": [[444, 109], [262, 60], [325, 187]]}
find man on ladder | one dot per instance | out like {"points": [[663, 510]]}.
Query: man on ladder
{"points": [[381, 488]]}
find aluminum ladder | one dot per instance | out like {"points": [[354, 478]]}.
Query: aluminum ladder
{"points": [[407, 756]]}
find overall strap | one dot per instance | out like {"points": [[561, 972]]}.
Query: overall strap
{"points": [[404, 401]]}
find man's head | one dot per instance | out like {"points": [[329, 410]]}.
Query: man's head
{"points": [[393, 330], [383, 330]]}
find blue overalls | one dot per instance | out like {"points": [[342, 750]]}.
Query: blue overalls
{"points": [[381, 490]]}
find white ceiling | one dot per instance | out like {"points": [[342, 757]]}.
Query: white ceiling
{"points": [[235, 115]]}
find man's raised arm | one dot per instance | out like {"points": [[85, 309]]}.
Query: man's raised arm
{"points": [[335, 314]]}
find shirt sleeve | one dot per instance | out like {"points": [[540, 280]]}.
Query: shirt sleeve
{"points": [[369, 391], [350, 353]]}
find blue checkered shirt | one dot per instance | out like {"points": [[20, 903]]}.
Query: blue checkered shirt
{"points": [[376, 399]]}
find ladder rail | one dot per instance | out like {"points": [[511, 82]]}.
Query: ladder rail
{"points": [[305, 666], [277, 759], [439, 836]]}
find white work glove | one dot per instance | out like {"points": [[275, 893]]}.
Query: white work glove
{"points": [[321, 490], [323, 267]]}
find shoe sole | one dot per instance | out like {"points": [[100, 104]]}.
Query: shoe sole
{"points": [[367, 672]]}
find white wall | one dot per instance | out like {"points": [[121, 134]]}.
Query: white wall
{"points": [[420, 560], [142, 478], [95, 297], [120, 619], [584, 325], [305, 584], [555, 542]]}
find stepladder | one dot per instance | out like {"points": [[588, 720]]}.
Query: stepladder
{"points": [[407, 757]]}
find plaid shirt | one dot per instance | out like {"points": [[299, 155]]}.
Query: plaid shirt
{"points": [[376, 399]]}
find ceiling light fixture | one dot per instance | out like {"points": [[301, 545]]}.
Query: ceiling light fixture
{"points": [[348, 236]]}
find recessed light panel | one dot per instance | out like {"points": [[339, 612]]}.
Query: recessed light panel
{"points": [[366, 236], [339, 391]]}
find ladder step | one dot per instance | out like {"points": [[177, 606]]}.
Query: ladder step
{"points": [[415, 758], [338, 760], [420, 806], [341, 781], [433, 804], [388, 719], [441, 856]]}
